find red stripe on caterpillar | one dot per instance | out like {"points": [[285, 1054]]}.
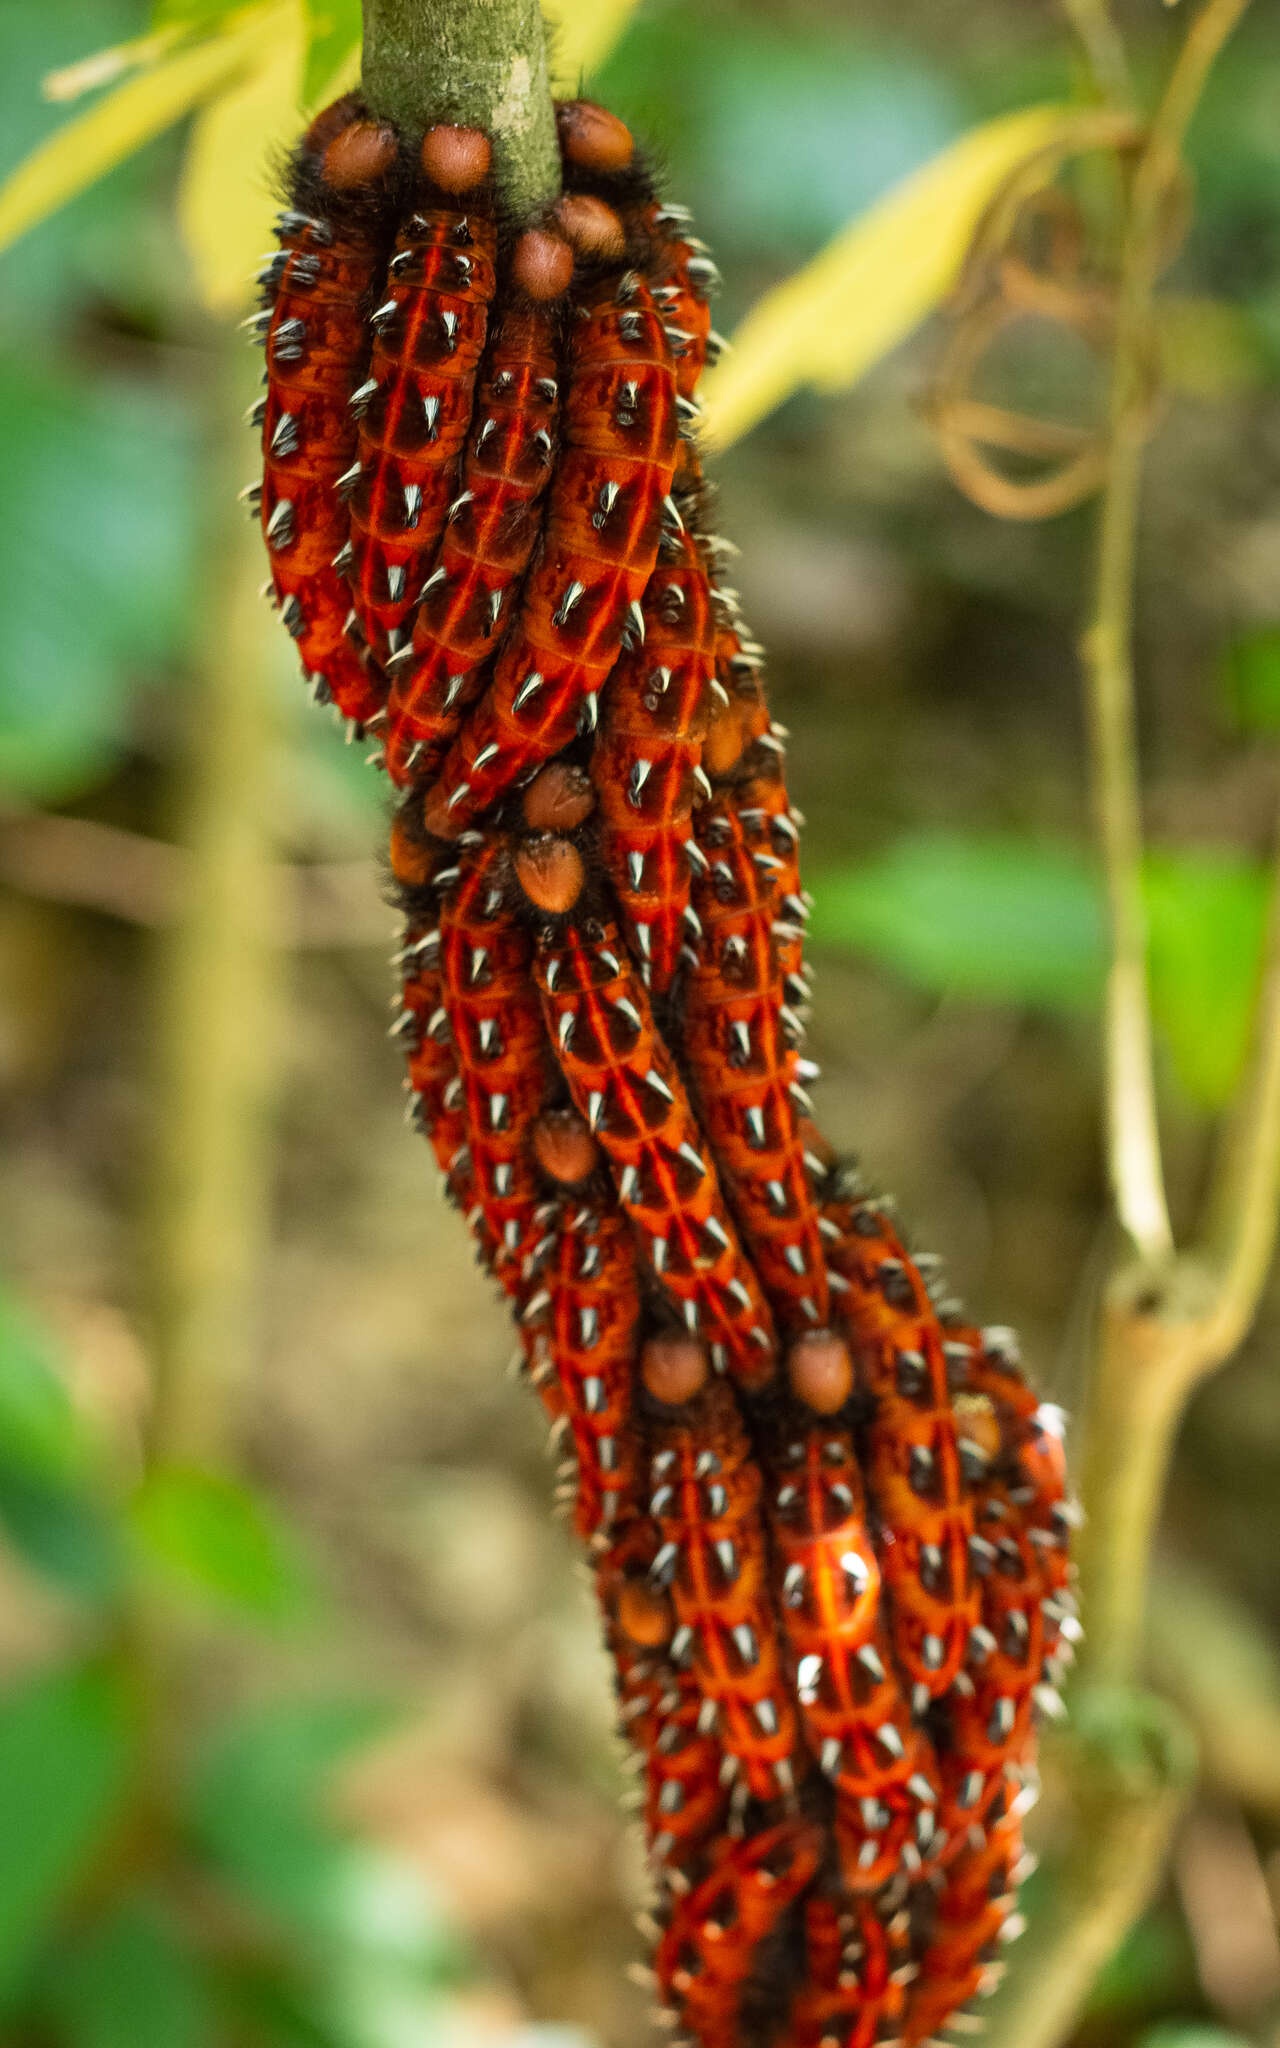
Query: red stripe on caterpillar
{"points": [[647, 756], [414, 409], [434, 1083], [585, 1319], [916, 1479], [852, 1992], [625, 1083], [714, 1935], [739, 1043], [496, 1026], [604, 518], [706, 1503], [333, 243], [488, 540], [974, 1913], [661, 1710], [852, 1710]]}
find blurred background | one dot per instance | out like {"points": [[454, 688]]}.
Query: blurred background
{"points": [[305, 1733]]}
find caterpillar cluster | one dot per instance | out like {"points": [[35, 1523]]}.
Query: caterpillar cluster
{"points": [[825, 1516]]}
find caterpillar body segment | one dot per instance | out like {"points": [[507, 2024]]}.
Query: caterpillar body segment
{"points": [[646, 757], [588, 1316], [625, 1083], [828, 1582], [662, 1711], [991, 1714], [333, 242], [852, 1993], [414, 409], [714, 1935], [746, 1072], [581, 601], [495, 1023], [707, 1506], [489, 536], [434, 1083], [684, 279], [974, 1915], [916, 1478]]}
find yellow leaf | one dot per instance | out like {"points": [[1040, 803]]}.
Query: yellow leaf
{"points": [[227, 198], [582, 33], [84, 150], [840, 314], [88, 73]]}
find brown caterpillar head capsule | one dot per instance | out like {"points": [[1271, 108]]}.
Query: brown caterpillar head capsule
{"points": [[412, 861], [592, 227], [977, 1420], [558, 799], [550, 871], [592, 137], [820, 1371], [644, 1614], [563, 1146], [542, 264], [723, 747], [363, 152], [674, 1368], [456, 159]]}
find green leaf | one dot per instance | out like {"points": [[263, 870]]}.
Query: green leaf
{"points": [[1192, 2034], [1207, 915], [124, 458], [834, 318], [69, 1540], [998, 920], [1007, 920], [89, 145], [213, 1534], [258, 1806], [1251, 680], [333, 38], [130, 1982], [39, 1430], [65, 1752]]}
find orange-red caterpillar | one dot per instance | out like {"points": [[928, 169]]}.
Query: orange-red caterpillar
{"points": [[433, 1080], [706, 1503], [747, 1075], [414, 409], [992, 1704], [495, 1023], [625, 1083], [582, 597], [973, 1915], [852, 1993], [488, 539], [662, 1711], [333, 242], [646, 765], [714, 1936], [829, 1597], [916, 1471], [584, 1318]]}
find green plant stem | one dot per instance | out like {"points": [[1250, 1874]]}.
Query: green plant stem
{"points": [[1133, 1137], [218, 1045], [1103, 47], [481, 62], [1163, 1323]]}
